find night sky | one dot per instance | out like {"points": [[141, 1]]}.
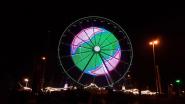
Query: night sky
{"points": [[32, 31]]}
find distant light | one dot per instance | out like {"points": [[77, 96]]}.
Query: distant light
{"points": [[177, 81], [75, 88], [154, 42], [183, 92], [43, 58], [151, 43], [26, 79], [123, 87], [65, 86], [53, 89], [27, 88], [134, 91], [148, 92]]}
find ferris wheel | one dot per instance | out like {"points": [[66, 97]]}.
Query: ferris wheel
{"points": [[95, 50]]}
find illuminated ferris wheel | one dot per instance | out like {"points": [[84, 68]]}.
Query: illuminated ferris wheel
{"points": [[95, 50]]}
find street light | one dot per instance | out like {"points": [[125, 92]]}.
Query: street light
{"points": [[26, 80], [43, 71], [178, 81], [153, 43], [43, 58], [158, 84]]}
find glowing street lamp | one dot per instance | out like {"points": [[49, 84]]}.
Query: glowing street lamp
{"points": [[158, 85], [26, 81], [43, 58], [178, 81], [153, 43]]}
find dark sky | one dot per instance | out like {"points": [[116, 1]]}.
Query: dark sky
{"points": [[34, 30]]}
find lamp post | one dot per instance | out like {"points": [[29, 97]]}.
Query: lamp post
{"points": [[43, 58], [26, 81], [158, 84], [178, 83], [153, 43]]}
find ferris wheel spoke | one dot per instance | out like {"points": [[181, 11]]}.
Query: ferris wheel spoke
{"points": [[85, 41], [87, 36], [76, 45], [109, 44], [78, 62], [94, 78], [111, 65], [95, 67], [84, 47], [81, 39], [126, 50], [99, 39], [93, 34], [82, 52], [95, 60], [107, 78], [108, 72], [114, 57], [85, 67], [104, 40], [117, 41], [75, 54]]}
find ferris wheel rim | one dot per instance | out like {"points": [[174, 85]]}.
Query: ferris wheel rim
{"points": [[128, 39]]}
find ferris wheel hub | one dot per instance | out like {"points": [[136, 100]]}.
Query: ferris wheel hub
{"points": [[97, 49]]}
